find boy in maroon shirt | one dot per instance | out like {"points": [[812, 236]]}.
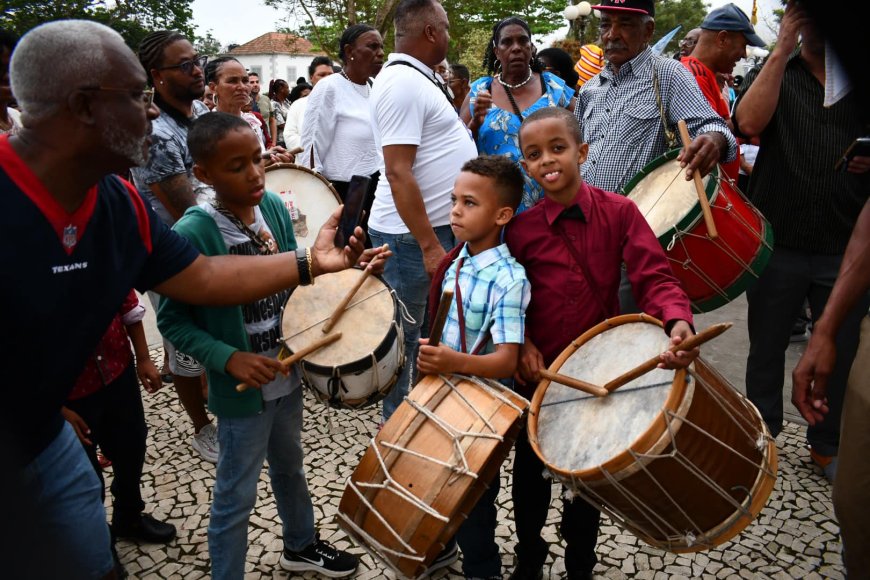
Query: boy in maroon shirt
{"points": [[573, 244]]}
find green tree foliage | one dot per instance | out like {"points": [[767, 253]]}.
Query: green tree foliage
{"points": [[133, 19], [208, 45], [324, 20], [670, 13]]}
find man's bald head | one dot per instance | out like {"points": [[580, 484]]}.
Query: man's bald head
{"points": [[58, 57]]}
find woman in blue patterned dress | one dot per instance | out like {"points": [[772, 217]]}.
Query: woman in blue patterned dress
{"points": [[497, 104]]}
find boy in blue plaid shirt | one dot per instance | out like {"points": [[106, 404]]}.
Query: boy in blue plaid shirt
{"points": [[486, 322]]}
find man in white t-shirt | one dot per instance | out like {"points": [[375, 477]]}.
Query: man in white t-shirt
{"points": [[424, 145]]}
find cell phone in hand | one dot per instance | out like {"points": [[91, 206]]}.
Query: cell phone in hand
{"points": [[860, 147], [352, 214]]}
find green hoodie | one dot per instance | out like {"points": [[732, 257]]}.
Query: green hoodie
{"points": [[212, 334]]}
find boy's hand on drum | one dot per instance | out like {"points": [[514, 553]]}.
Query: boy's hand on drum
{"points": [[377, 257], [325, 257], [433, 360], [253, 369], [530, 364], [680, 359], [78, 424]]}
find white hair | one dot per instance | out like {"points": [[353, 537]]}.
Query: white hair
{"points": [[56, 57]]}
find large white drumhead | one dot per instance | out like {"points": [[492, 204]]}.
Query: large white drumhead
{"points": [[308, 197], [664, 197], [364, 325], [577, 431]]}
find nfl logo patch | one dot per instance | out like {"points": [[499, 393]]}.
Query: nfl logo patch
{"points": [[69, 236]]}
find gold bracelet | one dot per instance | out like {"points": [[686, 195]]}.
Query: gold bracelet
{"points": [[310, 267]]}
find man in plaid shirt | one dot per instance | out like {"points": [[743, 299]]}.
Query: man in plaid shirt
{"points": [[619, 110]]}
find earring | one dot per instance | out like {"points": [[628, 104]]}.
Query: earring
{"points": [[351, 58], [161, 82]]}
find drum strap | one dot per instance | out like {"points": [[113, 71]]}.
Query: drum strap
{"points": [[457, 292], [578, 257], [670, 136]]}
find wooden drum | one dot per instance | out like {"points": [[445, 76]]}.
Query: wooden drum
{"points": [[712, 272], [679, 458], [307, 195], [428, 467], [359, 369]]}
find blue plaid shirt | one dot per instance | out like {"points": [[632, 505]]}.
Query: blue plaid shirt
{"points": [[495, 294], [621, 121]]}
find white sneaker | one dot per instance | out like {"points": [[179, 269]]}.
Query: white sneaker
{"points": [[206, 443]]}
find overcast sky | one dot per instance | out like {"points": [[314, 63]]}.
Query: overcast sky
{"points": [[231, 24]]}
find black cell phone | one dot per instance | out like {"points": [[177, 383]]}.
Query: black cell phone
{"points": [[352, 215], [860, 147]]}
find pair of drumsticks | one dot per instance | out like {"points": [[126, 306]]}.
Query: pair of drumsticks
{"points": [[330, 324], [586, 387]]}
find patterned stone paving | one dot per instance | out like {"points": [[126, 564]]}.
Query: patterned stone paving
{"points": [[796, 535]]}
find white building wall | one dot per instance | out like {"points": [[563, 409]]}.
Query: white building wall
{"points": [[276, 66]]}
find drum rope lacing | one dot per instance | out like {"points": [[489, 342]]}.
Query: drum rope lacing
{"points": [[390, 484], [687, 537]]}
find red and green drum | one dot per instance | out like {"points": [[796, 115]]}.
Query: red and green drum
{"points": [[712, 272]]}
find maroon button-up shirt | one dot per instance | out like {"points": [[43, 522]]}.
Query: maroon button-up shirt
{"points": [[610, 231]]}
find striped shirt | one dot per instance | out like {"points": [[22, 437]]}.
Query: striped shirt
{"points": [[495, 293], [811, 207], [622, 124], [590, 64]]}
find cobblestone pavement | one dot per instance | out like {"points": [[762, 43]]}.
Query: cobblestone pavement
{"points": [[796, 535]]}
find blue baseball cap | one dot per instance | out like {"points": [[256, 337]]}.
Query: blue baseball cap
{"points": [[732, 18]]}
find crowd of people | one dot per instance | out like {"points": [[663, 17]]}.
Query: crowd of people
{"points": [[509, 188]]}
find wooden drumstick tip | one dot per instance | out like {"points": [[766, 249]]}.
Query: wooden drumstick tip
{"points": [[574, 383], [300, 354], [712, 233]]}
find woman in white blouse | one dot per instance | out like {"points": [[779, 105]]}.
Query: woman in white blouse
{"points": [[337, 137]]}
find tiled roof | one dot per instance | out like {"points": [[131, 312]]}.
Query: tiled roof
{"points": [[275, 43]]}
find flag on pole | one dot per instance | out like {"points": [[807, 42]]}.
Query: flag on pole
{"points": [[754, 19], [659, 46]]}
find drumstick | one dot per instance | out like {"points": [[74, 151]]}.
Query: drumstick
{"points": [[699, 186], [342, 306], [440, 317], [652, 363], [574, 383], [300, 354], [296, 151]]}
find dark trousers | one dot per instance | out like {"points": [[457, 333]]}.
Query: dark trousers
{"points": [[117, 422], [775, 301], [531, 496], [476, 536]]}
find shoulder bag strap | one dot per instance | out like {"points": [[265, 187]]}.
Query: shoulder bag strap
{"points": [[670, 136]]}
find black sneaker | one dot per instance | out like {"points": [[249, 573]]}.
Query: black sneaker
{"points": [[320, 557], [448, 555]]}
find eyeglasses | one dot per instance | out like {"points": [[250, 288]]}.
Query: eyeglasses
{"points": [[146, 95], [187, 66], [688, 42]]}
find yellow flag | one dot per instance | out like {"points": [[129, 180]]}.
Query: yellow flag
{"points": [[754, 19]]}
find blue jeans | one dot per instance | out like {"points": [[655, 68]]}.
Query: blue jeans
{"points": [[276, 434], [64, 532], [405, 273]]}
